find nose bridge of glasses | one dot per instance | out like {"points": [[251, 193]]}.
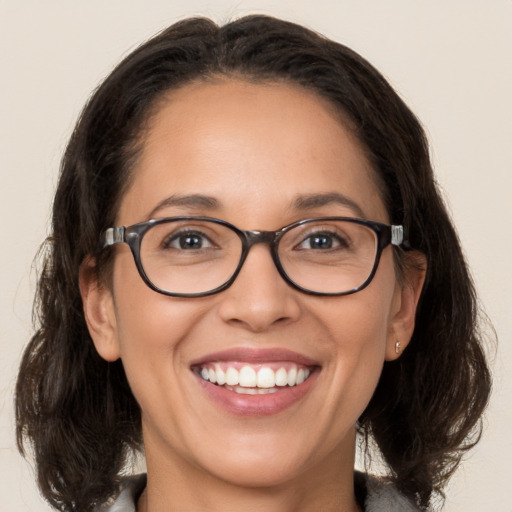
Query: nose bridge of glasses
{"points": [[254, 237], [270, 238], [259, 237]]}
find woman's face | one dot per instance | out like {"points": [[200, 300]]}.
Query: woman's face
{"points": [[250, 154]]}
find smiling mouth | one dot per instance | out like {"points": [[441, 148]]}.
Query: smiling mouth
{"points": [[250, 379]]}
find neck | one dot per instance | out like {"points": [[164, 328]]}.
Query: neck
{"points": [[328, 486]]}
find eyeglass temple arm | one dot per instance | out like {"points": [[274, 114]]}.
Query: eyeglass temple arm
{"points": [[397, 235], [113, 236]]}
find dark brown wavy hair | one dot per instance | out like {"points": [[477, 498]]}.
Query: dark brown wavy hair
{"points": [[77, 412]]}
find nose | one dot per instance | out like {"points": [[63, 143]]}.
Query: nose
{"points": [[259, 298]]}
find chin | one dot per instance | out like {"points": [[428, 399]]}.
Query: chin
{"points": [[257, 472]]}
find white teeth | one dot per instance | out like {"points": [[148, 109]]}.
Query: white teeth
{"points": [[231, 376], [292, 377], [251, 391], [221, 376], [247, 377], [266, 378], [281, 377]]}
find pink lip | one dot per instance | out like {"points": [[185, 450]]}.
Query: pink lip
{"points": [[257, 405], [256, 356]]}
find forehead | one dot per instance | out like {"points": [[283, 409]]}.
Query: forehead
{"points": [[252, 146]]}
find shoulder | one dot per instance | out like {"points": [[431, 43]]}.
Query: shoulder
{"points": [[130, 490], [381, 496]]}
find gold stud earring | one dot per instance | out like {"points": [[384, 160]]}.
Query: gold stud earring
{"points": [[397, 347]]}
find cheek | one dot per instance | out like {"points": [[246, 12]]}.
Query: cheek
{"points": [[358, 331], [360, 327], [150, 326], [362, 321]]}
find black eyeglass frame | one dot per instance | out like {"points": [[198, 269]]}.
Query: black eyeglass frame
{"points": [[133, 235]]}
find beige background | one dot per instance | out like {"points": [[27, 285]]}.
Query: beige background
{"points": [[451, 61]]}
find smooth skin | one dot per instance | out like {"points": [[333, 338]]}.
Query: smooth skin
{"points": [[255, 149]]}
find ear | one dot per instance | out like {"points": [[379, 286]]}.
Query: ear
{"points": [[407, 296], [99, 311]]}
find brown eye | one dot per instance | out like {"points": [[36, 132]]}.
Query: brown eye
{"points": [[192, 240], [323, 241]]}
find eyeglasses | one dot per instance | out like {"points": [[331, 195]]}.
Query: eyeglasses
{"points": [[199, 256]]}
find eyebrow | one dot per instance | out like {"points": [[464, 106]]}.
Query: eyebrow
{"points": [[312, 201], [301, 202], [188, 201]]}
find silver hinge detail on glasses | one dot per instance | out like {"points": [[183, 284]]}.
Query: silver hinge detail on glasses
{"points": [[113, 236], [397, 235]]}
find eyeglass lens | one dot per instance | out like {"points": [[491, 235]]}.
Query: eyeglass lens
{"points": [[196, 256]]}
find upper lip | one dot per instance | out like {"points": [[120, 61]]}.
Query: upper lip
{"points": [[256, 356]]}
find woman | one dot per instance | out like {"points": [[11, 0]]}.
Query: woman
{"points": [[250, 262]]}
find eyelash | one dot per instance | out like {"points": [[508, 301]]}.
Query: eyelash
{"points": [[175, 237], [342, 241]]}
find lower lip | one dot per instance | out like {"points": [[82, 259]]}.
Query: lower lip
{"points": [[257, 405]]}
